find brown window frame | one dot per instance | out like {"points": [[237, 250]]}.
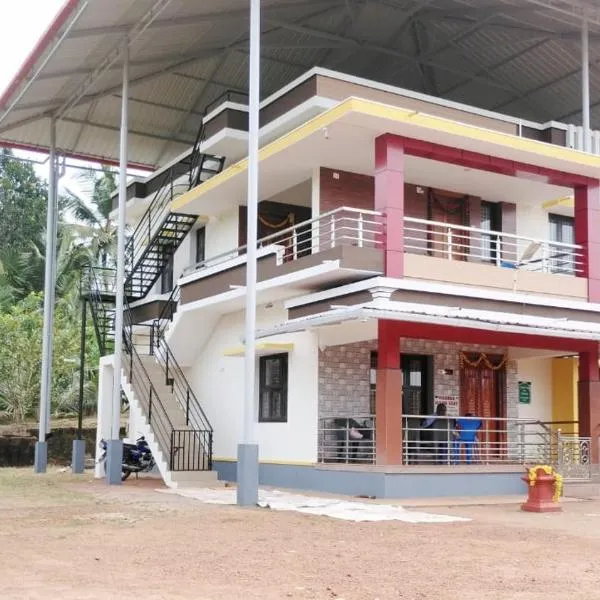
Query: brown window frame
{"points": [[262, 387]]}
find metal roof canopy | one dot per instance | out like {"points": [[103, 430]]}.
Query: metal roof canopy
{"points": [[520, 57]]}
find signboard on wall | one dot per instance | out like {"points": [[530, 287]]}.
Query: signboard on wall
{"points": [[524, 392], [451, 402]]}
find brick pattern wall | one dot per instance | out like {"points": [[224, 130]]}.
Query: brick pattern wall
{"points": [[341, 188], [344, 374]]}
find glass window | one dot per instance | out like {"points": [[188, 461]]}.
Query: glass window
{"points": [[562, 230], [200, 245], [273, 388], [166, 278]]}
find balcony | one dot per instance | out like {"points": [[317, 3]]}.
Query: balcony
{"points": [[469, 256], [345, 245], [337, 247]]}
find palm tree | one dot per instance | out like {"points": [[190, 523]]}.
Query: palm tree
{"points": [[91, 209]]}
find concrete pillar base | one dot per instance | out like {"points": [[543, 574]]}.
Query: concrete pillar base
{"points": [[114, 462], [247, 475], [78, 456], [40, 461]]}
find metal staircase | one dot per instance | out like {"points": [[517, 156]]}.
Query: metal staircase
{"points": [[155, 385]]}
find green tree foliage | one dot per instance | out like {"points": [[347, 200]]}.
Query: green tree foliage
{"points": [[85, 234], [20, 360], [91, 209], [23, 197]]}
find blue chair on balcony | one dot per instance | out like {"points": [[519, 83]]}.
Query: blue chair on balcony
{"points": [[466, 429]]}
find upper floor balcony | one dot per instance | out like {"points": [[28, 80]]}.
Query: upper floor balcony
{"points": [[346, 245]]}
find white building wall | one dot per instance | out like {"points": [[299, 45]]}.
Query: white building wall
{"points": [[538, 371], [218, 382], [222, 233]]}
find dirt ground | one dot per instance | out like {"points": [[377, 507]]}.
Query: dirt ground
{"points": [[68, 538]]}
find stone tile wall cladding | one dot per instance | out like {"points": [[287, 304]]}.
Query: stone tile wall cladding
{"points": [[344, 374]]}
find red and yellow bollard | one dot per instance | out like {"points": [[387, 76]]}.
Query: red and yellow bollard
{"points": [[544, 486]]}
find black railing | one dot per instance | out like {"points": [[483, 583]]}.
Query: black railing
{"points": [[188, 450], [151, 222], [93, 284], [195, 417]]}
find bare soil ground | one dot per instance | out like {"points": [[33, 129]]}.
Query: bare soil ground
{"points": [[68, 538]]}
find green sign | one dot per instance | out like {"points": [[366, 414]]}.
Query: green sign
{"points": [[524, 392]]}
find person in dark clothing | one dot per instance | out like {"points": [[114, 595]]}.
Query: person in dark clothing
{"points": [[440, 430]]}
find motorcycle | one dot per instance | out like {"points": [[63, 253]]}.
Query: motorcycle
{"points": [[137, 458]]}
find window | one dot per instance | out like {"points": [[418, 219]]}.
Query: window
{"points": [[562, 230], [490, 221], [200, 245], [166, 278], [273, 388]]}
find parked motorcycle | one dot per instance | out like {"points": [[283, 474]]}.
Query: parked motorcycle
{"points": [[137, 458]]}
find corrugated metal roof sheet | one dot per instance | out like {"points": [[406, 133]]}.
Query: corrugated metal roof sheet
{"points": [[515, 56]]}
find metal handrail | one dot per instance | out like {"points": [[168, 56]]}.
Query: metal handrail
{"points": [[175, 377], [367, 231]]}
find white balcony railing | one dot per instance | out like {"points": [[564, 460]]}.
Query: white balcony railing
{"points": [[457, 242], [340, 227]]}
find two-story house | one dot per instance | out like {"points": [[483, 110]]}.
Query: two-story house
{"points": [[426, 270]]}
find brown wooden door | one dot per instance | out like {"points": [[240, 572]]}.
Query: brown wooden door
{"points": [[481, 395], [449, 209]]}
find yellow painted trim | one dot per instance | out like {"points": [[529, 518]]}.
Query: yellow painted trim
{"points": [[281, 143], [567, 201], [289, 463], [398, 115], [260, 346]]}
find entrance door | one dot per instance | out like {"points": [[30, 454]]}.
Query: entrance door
{"points": [[449, 209], [481, 395], [416, 401]]}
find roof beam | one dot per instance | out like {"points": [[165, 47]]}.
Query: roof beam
{"points": [[497, 65], [539, 88], [354, 44], [241, 14], [131, 36], [154, 136]]}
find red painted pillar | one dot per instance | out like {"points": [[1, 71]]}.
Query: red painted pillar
{"points": [[389, 199], [587, 233], [388, 400], [589, 398]]}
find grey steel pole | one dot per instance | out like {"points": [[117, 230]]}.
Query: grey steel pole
{"points": [[585, 86], [114, 453], [41, 446], [78, 451], [248, 466]]}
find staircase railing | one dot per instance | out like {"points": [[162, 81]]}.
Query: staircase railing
{"points": [[147, 395], [95, 282], [195, 416], [189, 448], [153, 218]]}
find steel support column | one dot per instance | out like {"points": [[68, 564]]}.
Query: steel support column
{"points": [[248, 465], [78, 452], [585, 86], [115, 447], [41, 447]]}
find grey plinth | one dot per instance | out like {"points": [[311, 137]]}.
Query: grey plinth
{"points": [[78, 456], [40, 461], [247, 475], [114, 460]]}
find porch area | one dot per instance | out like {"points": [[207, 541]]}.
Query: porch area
{"points": [[461, 408]]}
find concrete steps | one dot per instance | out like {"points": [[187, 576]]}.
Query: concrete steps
{"points": [[176, 414]]}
